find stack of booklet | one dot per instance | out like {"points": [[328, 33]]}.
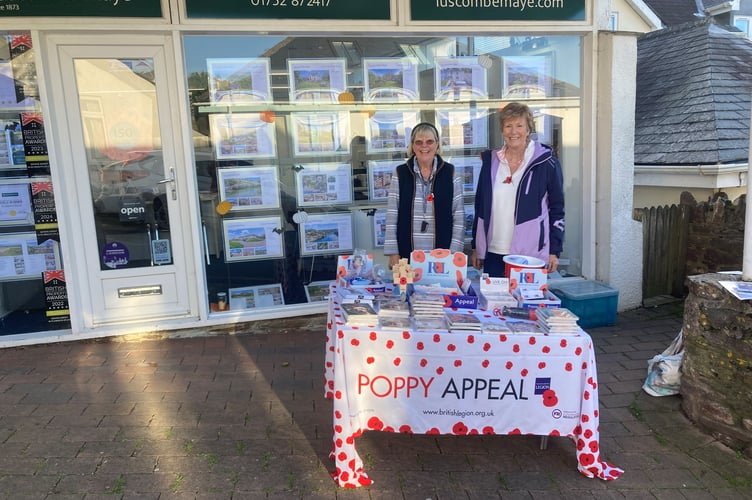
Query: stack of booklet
{"points": [[427, 305], [352, 295], [394, 314], [495, 327], [430, 324], [459, 322], [360, 313], [557, 320]]}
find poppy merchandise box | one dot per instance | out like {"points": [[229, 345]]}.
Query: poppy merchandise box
{"points": [[593, 302], [442, 268]]}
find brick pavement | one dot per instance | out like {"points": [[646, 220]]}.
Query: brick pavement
{"points": [[243, 417]]}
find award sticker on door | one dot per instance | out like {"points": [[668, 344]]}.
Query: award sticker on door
{"points": [[160, 250], [115, 255]]}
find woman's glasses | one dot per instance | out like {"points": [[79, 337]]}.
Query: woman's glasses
{"points": [[421, 143]]}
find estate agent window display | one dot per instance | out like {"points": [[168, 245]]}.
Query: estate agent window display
{"points": [[296, 143]]}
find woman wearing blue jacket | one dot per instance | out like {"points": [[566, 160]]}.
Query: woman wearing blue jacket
{"points": [[519, 202]]}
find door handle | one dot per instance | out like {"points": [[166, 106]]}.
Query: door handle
{"points": [[171, 180]]}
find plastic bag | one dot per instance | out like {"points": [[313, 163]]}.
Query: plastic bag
{"points": [[664, 370]]}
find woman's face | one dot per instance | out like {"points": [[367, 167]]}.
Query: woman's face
{"points": [[515, 132], [425, 147]]}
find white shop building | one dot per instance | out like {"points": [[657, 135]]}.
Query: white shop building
{"points": [[159, 153]]}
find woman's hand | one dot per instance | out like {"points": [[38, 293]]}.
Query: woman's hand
{"points": [[477, 263], [553, 263], [393, 260]]}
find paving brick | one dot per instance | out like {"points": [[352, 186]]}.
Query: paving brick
{"points": [[222, 418]]}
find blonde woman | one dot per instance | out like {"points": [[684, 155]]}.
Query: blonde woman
{"points": [[425, 208]]}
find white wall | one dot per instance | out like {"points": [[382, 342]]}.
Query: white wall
{"points": [[618, 236]]}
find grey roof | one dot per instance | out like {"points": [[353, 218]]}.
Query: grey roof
{"points": [[694, 85], [673, 12]]}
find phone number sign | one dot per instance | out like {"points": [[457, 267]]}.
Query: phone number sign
{"points": [[288, 9]]}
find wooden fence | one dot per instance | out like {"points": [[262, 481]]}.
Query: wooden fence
{"points": [[665, 230]]}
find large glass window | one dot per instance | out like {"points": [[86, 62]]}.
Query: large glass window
{"points": [[32, 283], [296, 138]]}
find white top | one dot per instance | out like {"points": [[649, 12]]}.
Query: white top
{"points": [[504, 201]]}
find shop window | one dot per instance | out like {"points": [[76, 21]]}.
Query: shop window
{"points": [[32, 282], [296, 138]]}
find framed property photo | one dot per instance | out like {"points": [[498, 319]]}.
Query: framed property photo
{"points": [[317, 291], [459, 79], [253, 238], [391, 79], [316, 80], [326, 233], [390, 131], [15, 204], [242, 136], [251, 297], [320, 133], [249, 188], [468, 168], [380, 178], [379, 228], [238, 80], [526, 77], [324, 184], [463, 128]]}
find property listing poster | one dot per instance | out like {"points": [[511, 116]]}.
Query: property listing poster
{"points": [[238, 80], [463, 128], [242, 136], [390, 131], [324, 184], [22, 257], [391, 79], [326, 233], [320, 133], [316, 80], [460, 79], [251, 297], [380, 178], [253, 238], [468, 169], [249, 188]]}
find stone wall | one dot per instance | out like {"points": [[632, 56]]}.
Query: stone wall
{"points": [[716, 385], [715, 239]]}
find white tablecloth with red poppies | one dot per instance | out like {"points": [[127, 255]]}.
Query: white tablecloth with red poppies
{"points": [[460, 384]]}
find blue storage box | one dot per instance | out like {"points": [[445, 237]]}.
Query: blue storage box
{"points": [[594, 303]]}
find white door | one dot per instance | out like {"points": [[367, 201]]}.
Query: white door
{"points": [[128, 187]]}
